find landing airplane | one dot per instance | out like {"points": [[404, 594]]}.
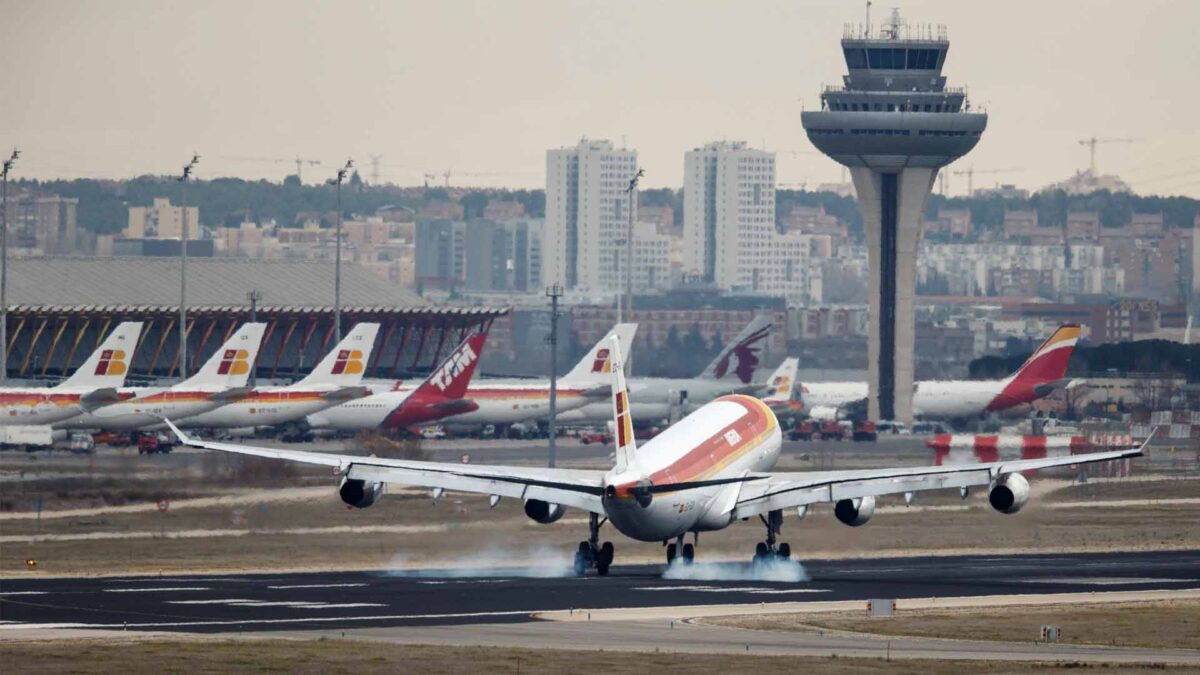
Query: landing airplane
{"points": [[957, 399], [496, 401], [439, 396], [93, 385], [335, 380], [655, 398], [704, 473], [221, 380]]}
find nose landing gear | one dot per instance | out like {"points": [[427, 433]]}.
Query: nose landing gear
{"points": [[766, 550], [591, 553]]}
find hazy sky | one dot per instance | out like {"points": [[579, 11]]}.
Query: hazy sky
{"points": [[120, 88]]}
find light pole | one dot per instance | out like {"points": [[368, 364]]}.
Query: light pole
{"points": [[183, 239], [254, 297], [8, 165], [555, 292], [633, 183], [337, 259]]}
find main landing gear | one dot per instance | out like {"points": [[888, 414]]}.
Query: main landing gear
{"points": [[591, 553], [766, 551], [678, 548]]}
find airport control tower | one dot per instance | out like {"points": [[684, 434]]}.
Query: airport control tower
{"points": [[894, 123]]}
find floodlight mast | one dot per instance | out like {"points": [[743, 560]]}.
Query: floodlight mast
{"points": [[183, 241], [337, 259], [8, 165]]}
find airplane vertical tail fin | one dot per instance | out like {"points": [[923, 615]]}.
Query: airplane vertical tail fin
{"points": [[1048, 363], [739, 358], [782, 383], [108, 365], [622, 417], [451, 378], [230, 365], [597, 363], [345, 364]]}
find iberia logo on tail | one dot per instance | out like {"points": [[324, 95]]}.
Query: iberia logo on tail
{"points": [[234, 362], [602, 364], [1038, 375], [112, 362], [348, 362]]}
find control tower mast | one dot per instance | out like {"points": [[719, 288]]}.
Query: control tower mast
{"points": [[894, 123]]}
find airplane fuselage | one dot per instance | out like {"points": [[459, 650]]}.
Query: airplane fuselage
{"points": [[147, 408], [932, 399], [724, 439], [653, 399], [39, 405], [267, 406]]}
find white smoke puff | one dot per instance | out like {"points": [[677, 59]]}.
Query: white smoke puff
{"points": [[539, 562], [777, 570]]}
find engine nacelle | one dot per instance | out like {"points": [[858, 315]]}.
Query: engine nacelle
{"points": [[543, 512], [855, 512], [1010, 493], [359, 493]]}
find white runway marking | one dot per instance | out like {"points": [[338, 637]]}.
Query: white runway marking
{"points": [[756, 590], [296, 604], [1102, 581], [266, 622], [279, 588], [162, 589], [23, 593]]}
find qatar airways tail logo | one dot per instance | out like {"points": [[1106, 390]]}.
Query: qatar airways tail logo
{"points": [[746, 352], [454, 366]]}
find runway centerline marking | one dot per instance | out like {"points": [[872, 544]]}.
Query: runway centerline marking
{"points": [[160, 589], [1103, 581], [754, 590], [293, 604], [279, 588]]}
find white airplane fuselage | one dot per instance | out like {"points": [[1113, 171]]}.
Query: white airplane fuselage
{"points": [[724, 439], [267, 406], [652, 399], [932, 399], [147, 407], [41, 405]]}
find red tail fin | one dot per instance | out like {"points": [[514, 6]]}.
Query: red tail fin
{"points": [[450, 379], [1035, 377]]}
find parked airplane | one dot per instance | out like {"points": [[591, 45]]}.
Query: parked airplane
{"points": [[92, 385], [704, 473], [221, 380], [495, 401], [657, 398], [956, 399], [335, 380], [440, 395]]}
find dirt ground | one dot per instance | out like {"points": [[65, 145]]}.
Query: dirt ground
{"points": [[356, 658], [1159, 624]]}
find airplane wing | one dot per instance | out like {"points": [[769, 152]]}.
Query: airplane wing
{"points": [[785, 490], [568, 487]]}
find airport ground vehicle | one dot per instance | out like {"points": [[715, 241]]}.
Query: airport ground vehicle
{"points": [[26, 437], [866, 431], [592, 436], [708, 471], [803, 431], [153, 443]]}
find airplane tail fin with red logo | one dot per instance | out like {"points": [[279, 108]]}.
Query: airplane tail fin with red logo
{"points": [[345, 364], [596, 365], [230, 365], [626, 444], [781, 386], [450, 379], [107, 366], [739, 359]]}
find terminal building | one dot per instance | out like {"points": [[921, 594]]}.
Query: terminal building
{"points": [[894, 123], [60, 308]]}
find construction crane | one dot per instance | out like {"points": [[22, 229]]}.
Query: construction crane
{"points": [[1093, 142], [970, 172], [300, 162]]}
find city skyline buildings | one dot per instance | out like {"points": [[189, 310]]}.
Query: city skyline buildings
{"points": [[645, 77]]}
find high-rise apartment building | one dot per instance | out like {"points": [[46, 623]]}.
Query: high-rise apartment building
{"points": [[729, 234], [587, 215], [161, 220]]}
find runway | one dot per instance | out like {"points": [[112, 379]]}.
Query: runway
{"points": [[335, 601]]}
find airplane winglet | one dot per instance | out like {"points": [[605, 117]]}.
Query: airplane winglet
{"points": [[183, 438]]}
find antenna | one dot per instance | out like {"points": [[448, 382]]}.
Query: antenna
{"points": [[375, 168]]}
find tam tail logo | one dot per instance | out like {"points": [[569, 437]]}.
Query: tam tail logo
{"points": [[746, 353], [458, 363]]}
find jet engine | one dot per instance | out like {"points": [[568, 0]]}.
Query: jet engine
{"points": [[543, 512], [359, 493], [855, 512], [1009, 493]]}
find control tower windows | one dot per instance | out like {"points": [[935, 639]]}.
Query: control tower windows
{"points": [[855, 58]]}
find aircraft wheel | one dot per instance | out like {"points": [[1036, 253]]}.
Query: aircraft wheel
{"points": [[785, 552], [689, 554], [671, 552], [581, 563], [606, 554], [761, 551]]}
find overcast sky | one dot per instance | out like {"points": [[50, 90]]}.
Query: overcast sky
{"points": [[121, 88]]}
